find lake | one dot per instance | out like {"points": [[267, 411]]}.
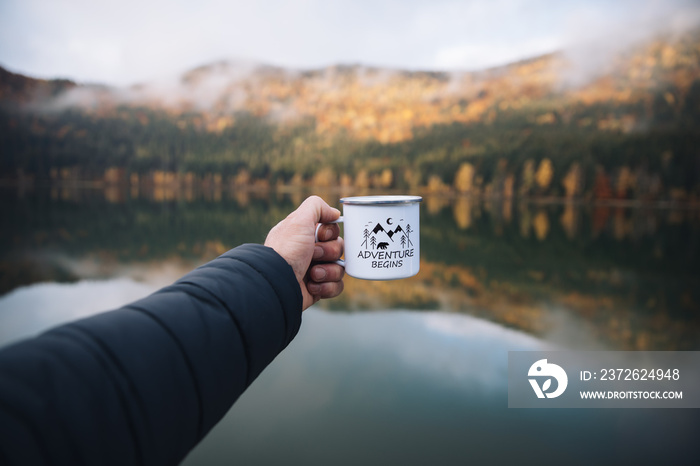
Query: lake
{"points": [[411, 371]]}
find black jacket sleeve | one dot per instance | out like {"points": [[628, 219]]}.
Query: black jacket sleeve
{"points": [[145, 383]]}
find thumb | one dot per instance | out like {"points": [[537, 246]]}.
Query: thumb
{"points": [[316, 210]]}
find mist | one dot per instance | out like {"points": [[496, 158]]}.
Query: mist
{"points": [[595, 39], [132, 42]]}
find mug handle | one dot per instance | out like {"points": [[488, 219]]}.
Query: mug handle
{"points": [[340, 262]]}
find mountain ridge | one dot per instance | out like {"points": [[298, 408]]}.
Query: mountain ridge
{"points": [[525, 128], [371, 103]]}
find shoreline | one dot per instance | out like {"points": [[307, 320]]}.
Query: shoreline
{"points": [[204, 190]]}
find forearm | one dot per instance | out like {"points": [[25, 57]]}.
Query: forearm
{"points": [[145, 383]]}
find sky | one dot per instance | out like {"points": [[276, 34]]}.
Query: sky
{"points": [[132, 41]]}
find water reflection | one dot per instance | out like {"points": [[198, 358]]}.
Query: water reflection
{"points": [[415, 388], [626, 274], [29, 310], [419, 386], [387, 388], [620, 221]]}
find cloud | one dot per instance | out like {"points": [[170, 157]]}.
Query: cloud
{"points": [[30, 310], [595, 36], [134, 41]]}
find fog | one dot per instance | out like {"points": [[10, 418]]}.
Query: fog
{"points": [[136, 42]]}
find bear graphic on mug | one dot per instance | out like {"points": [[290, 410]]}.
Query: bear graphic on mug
{"points": [[382, 245]]}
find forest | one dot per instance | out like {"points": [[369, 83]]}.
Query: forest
{"points": [[631, 133], [509, 155]]}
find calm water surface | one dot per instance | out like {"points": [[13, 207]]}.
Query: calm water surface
{"points": [[410, 371]]}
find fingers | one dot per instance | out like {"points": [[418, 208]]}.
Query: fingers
{"points": [[326, 273], [328, 251], [328, 231], [293, 239], [325, 290], [326, 280]]}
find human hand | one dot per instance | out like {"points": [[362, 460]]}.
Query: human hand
{"points": [[293, 239]]}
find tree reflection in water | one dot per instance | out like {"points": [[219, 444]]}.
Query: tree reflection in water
{"points": [[601, 275]]}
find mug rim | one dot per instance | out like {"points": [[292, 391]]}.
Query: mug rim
{"points": [[381, 200]]}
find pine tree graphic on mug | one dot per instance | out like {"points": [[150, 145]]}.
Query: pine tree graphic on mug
{"points": [[381, 237]]}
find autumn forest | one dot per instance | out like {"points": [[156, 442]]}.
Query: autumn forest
{"points": [[630, 133]]}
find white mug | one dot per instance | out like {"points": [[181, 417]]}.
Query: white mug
{"points": [[382, 236]]}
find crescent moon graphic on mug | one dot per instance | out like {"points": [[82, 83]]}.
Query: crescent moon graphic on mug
{"points": [[388, 221]]}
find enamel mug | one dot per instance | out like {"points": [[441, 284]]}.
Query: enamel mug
{"points": [[382, 236]]}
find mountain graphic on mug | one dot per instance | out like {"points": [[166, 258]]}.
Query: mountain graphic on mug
{"points": [[381, 237]]}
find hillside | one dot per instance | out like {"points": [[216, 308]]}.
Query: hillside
{"points": [[18, 90], [542, 127]]}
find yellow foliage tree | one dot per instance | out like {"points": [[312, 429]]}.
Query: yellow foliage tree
{"points": [[508, 186], [242, 178], [325, 177], [362, 180], [625, 181], [435, 184], [386, 179], [464, 179], [297, 180], [544, 174], [572, 181]]}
